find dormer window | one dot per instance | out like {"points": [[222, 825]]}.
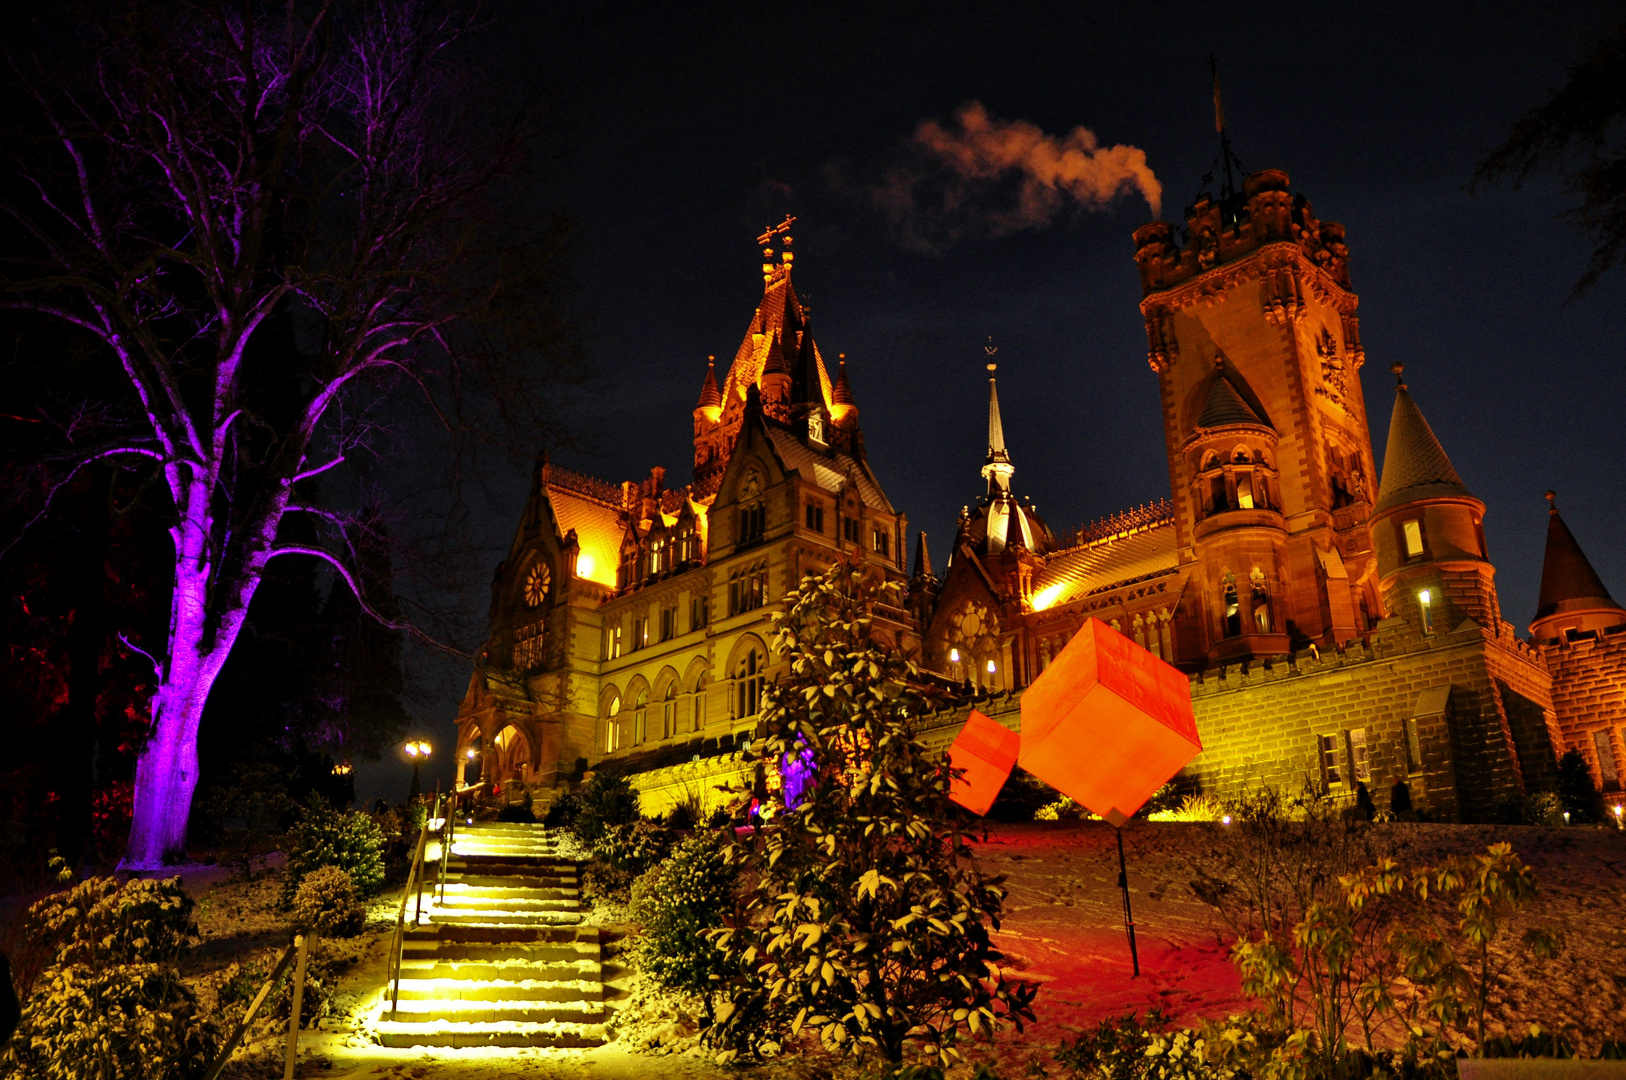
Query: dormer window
{"points": [[815, 427]]}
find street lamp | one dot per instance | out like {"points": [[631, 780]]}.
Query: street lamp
{"points": [[418, 751]]}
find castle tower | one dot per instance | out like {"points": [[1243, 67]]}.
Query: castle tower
{"points": [[1428, 530], [1573, 599], [1252, 331]]}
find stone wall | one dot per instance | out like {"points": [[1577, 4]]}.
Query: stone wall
{"points": [[659, 790], [1589, 695]]}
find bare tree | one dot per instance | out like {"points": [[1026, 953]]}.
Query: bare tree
{"points": [[1578, 130], [272, 218]]}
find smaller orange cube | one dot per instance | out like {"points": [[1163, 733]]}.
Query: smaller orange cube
{"points": [[1107, 723], [987, 752]]}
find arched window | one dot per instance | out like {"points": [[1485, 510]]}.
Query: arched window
{"points": [[699, 707], [1261, 600], [748, 684], [640, 715], [612, 724], [1140, 631], [669, 712], [1233, 607]]}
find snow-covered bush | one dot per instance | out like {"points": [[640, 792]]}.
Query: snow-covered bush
{"points": [[113, 1022], [606, 800], [324, 837], [633, 847], [865, 918], [112, 1004], [678, 902], [326, 903]]}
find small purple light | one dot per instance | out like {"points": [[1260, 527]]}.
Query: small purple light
{"points": [[798, 772]]}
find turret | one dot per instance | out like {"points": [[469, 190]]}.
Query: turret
{"points": [[1573, 599], [842, 409], [1428, 530]]}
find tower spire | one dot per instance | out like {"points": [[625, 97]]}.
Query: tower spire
{"points": [[1573, 596], [998, 469]]}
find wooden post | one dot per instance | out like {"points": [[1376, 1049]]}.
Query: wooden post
{"points": [[1129, 915], [304, 943]]}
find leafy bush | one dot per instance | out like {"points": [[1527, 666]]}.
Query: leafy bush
{"points": [[103, 921], [679, 902], [1580, 796], [129, 1021], [865, 919], [1546, 808], [606, 800], [326, 903], [242, 983], [324, 837], [1063, 809], [601, 881], [633, 847], [112, 1004]]}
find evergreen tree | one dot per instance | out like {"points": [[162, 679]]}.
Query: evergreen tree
{"points": [[866, 918]]}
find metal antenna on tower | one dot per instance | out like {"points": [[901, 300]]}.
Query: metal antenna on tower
{"points": [[1228, 157]]}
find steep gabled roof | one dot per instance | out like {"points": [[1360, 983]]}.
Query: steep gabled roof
{"points": [[1414, 463], [1225, 407], [1100, 566], [1568, 581]]}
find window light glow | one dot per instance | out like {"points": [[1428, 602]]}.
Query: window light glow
{"points": [[954, 656], [584, 565], [990, 667], [1423, 596]]}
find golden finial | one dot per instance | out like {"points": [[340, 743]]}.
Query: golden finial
{"points": [[991, 349], [1552, 506], [1398, 368]]}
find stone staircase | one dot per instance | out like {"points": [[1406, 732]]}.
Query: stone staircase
{"points": [[502, 959]]}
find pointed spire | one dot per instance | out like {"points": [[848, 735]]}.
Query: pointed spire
{"points": [[998, 469], [1568, 581], [710, 396], [923, 558], [806, 386], [777, 363], [1414, 463], [842, 392]]}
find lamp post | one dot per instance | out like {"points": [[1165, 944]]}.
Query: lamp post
{"points": [[418, 751]]}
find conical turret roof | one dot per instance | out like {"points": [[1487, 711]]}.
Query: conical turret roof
{"points": [[710, 396], [1224, 406], [1414, 463], [1568, 581], [923, 558], [842, 394]]}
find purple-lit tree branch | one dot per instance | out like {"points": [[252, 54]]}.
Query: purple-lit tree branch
{"points": [[282, 191]]}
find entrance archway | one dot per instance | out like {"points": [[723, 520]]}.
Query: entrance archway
{"points": [[508, 759]]}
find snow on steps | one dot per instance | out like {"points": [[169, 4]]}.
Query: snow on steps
{"points": [[499, 962]]}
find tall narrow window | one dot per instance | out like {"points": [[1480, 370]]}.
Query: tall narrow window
{"points": [[669, 623], [699, 612], [1331, 772], [1216, 488], [640, 633], [614, 649], [1244, 490], [815, 517], [1413, 531], [849, 529], [753, 522], [1140, 631], [640, 716], [1414, 747], [699, 718], [1607, 767], [1233, 611], [1163, 635], [612, 726], [1359, 764], [883, 542], [1425, 610], [748, 684], [669, 712]]}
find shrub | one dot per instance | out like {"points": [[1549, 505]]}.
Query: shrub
{"points": [[633, 847], [1063, 809], [1580, 796], [1547, 808], [324, 837], [866, 919], [112, 1003], [606, 800], [1192, 808], [326, 903], [123, 1021], [601, 881], [678, 902]]}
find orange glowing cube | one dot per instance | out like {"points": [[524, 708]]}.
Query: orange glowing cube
{"points": [[987, 752], [1107, 723]]}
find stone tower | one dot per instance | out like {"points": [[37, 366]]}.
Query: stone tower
{"points": [[1429, 531], [1252, 332]]}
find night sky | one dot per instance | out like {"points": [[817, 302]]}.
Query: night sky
{"points": [[686, 130]]}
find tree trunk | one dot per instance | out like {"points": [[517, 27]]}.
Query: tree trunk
{"points": [[167, 771]]}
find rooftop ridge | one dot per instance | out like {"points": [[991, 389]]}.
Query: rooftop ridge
{"points": [[1116, 526], [589, 487]]}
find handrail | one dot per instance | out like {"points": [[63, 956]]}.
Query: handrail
{"points": [[400, 918], [230, 1044]]}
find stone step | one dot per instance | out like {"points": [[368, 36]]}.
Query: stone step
{"points": [[460, 902], [484, 862], [507, 1033], [516, 936], [549, 952], [498, 917], [510, 828], [514, 881], [466, 891], [500, 989], [493, 1012], [502, 968]]}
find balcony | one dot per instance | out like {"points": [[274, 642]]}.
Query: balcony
{"points": [[1256, 518]]}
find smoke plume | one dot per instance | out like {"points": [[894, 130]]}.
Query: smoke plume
{"points": [[982, 175]]}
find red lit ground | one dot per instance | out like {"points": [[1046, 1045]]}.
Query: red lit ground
{"points": [[1063, 928]]}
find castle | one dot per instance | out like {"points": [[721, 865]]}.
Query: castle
{"points": [[1337, 631]]}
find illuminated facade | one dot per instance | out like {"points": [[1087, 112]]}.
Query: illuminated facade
{"points": [[1337, 632], [1340, 629], [631, 622]]}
